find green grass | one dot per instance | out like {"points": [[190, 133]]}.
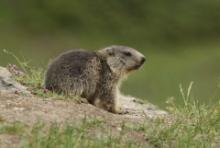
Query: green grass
{"points": [[31, 77], [91, 133], [191, 125], [12, 128]]}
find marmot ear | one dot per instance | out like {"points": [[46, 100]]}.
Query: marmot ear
{"points": [[106, 52], [110, 51]]}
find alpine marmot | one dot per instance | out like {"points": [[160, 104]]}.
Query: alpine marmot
{"points": [[95, 76]]}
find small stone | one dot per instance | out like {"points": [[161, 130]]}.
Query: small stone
{"points": [[119, 129]]}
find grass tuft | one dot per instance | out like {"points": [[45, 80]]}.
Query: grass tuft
{"points": [[191, 125], [12, 128], [75, 136], [30, 76]]}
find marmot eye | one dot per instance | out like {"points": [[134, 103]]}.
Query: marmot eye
{"points": [[127, 54]]}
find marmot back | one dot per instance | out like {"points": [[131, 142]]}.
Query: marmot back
{"points": [[70, 73], [95, 76]]}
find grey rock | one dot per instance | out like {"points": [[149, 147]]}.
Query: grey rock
{"points": [[8, 84], [139, 109]]}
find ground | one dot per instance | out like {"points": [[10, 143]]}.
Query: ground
{"points": [[30, 109]]}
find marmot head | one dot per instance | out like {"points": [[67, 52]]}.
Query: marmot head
{"points": [[122, 59]]}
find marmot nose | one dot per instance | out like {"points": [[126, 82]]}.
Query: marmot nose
{"points": [[143, 60]]}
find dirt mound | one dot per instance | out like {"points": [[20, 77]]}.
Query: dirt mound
{"points": [[30, 109]]}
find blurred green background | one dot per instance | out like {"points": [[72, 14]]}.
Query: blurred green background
{"points": [[181, 39]]}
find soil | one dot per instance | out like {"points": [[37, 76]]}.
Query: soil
{"points": [[30, 109]]}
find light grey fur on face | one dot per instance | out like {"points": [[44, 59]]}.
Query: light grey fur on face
{"points": [[122, 59], [95, 76]]}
